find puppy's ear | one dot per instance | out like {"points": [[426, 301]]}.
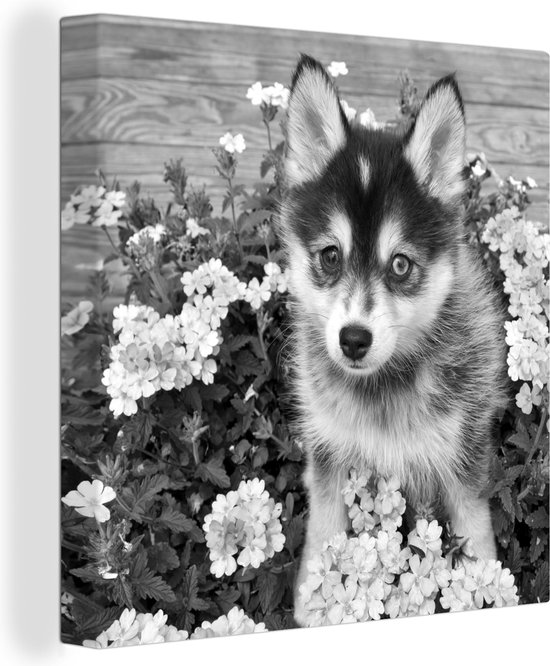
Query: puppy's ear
{"points": [[436, 144], [316, 123]]}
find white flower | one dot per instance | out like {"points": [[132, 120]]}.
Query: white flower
{"points": [[232, 624], [255, 94], [250, 393], [258, 293], [70, 215], [116, 198], [193, 229], [349, 606], [233, 144], [348, 110], [426, 536], [356, 486], [106, 215], [368, 119], [137, 629], [77, 318], [336, 68], [389, 503], [478, 169], [277, 95], [277, 279], [527, 397], [88, 499]]}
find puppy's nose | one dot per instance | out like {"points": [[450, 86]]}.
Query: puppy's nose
{"points": [[355, 341]]}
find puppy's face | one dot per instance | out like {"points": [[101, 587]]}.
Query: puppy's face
{"points": [[370, 223]]}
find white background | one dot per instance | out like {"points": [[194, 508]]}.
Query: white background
{"points": [[29, 498]]}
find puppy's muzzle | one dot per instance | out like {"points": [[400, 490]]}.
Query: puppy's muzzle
{"points": [[355, 341]]}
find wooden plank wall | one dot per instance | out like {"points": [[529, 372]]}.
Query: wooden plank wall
{"points": [[136, 92]]}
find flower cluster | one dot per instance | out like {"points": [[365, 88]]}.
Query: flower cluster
{"points": [[276, 95], [367, 118], [145, 245], [155, 353], [232, 624], [372, 574], [245, 520], [93, 205], [145, 629], [476, 582], [233, 143], [336, 69], [524, 252], [137, 629]]}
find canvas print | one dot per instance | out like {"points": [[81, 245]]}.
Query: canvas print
{"points": [[304, 329]]}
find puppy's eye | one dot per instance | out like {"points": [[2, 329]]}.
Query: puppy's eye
{"points": [[330, 258], [401, 266]]}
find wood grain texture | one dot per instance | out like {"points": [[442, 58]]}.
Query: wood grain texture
{"points": [[136, 92]]}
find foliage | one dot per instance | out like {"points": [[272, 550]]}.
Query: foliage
{"points": [[174, 460]]}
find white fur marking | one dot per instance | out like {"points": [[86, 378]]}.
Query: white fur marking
{"points": [[364, 171], [341, 228], [388, 240]]}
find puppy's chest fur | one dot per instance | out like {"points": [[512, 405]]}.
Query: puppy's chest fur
{"points": [[401, 435]]}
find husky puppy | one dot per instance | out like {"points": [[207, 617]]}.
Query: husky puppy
{"points": [[397, 344]]}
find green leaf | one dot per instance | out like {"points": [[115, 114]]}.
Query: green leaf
{"points": [[539, 518], [256, 259], [294, 534], [505, 496], [146, 584], [78, 412], [541, 583], [213, 471], [260, 457], [216, 392], [514, 558], [192, 398], [190, 590], [247, 364], [161, 557], [268, 584], [226, 598], [538, 543], [139, 428], [175, 521], [521, 438], [238, 342], [512, 473], [87, 573], [92, 622], [139, 495], [501, 521]]}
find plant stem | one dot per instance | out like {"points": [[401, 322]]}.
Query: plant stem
{"points": [[234, 216], [261, 330], [266, 123], [119, 254], [160, 289], [537, 437], [115, 248], [534, 448]]}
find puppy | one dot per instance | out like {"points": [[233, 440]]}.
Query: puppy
{"points": [[397, 334]]}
